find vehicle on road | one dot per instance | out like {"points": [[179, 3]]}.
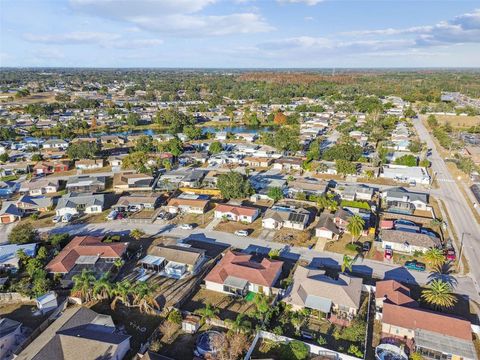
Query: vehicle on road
{"points": [[57, 219], [112, 215], [241, 233], [450, 254], [415, 265], [186, 226], [388, 254]]}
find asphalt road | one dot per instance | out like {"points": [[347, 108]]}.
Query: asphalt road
{"points": [[460, 213], [377, 269]]}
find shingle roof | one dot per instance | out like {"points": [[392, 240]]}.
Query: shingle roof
{"points": [[242, 266], [415, 239], [234, 209], [178, 254], [84, 246], [394, 292], [326, 222]]}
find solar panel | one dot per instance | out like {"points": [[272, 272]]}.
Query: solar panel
{"points": [[298, 218]]}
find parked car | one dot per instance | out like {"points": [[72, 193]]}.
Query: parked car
{"points": [[57, 219], [450, 254], [134, 208], [67, 218], [415, 265], [366, 246], [241, 232], [388, 254], [404, 222], [186, 226], [112, 215], [120, 216], [161, 215]]}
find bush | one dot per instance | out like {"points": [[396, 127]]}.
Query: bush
{"points": [[175, 317], [321, 341], [299, 349], [352, 247], [22, 233], [354, 350]]}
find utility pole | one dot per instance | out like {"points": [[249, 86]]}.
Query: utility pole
{"points": [[461, 247]]}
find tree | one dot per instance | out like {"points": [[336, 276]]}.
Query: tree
{"points": [[175, 316], [144, 144], [233, 185], [439, 294], [4, 157], [58, 240], [406, 160], [208, 312], [345, 167], [355, 226], [37, 157], [275, 193], [299, 349], [122, 292], [343, 151], [118, 263], [280, 118], [262, 305], [347, 263], [83, 285], [409, 113], [193, 132], [136, 161], [239, 325], [102, 288], [432, 121], [133, 119], [215, 147], [144, 297], [434, 257], [40, 284], [137, 234], [22, 233], [83, 150]]}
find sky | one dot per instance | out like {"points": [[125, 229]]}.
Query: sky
{"points": [[240, 33]]}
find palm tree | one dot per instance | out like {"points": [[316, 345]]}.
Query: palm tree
{"points": [[144, 297], [137, 234], [434, 257], [102, 288], [355, 226], [239, 325], [208, 312], [439, 294], [118, 263], [445, 273], [83, 284], [122, 292], [347, 263]]}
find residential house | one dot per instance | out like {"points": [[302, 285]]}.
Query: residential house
{"points": [[326, 227], [10, 337], [289, 217], [432, 334], [412, 174], [29, 203], [288, 164], [341, 218], [116, 140], [236, 213], [188, 204], [86, 252], [9, 213], [175, 261], [78, 333], [9, 254], [50, 167], [193, 179], [258, 162], [407, 242], [129, 181], [400, 200], [15, 168], [74, 203], [310, 186], [238, 273], [86, 184], [89, 164], [149, 202], [314, 290], [55, 144], [8, 188], [40, 186], [356, 192]]}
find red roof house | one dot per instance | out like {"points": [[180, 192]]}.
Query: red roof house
{"points": [[239, 273], [236, 213], [84, 246]]}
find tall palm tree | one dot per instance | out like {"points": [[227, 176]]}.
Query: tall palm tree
{"points": [[347, 263], [102, 288], [118, 263], [144, 297], [439, 294], [82, 285], [239, 325], [434, 257], [122, 292], [444, 272], [137, 234], [208, 312], [355, 226]]}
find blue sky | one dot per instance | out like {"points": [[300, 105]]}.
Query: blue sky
{"points": [[240, 33]]}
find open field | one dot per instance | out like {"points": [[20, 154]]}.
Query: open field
{"points": [[46, 97], [458, 121]]}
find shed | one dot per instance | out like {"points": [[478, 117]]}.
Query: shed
{"points": [[47, 302]]}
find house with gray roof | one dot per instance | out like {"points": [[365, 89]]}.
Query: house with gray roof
{"points": [[315, 290], [74, 203], [9, 254], [290, 217], [86, 183], [400, 200], [407, 242], [10, 336], [79, 333]]}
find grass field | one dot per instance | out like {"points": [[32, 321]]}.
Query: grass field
{"points": [[459, 121]]}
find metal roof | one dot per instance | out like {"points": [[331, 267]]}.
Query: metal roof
{"points": [[445, 344], [152, 260]]}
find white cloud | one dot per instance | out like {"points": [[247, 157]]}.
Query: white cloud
{"points": [[135, 43], [175, 17], [306, 2], [73, 38]]}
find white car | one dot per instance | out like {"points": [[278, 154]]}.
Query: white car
{"points": [[241, 233], [134, 208], [112, 215], [57, 219], [186, 226], [67, 218]]}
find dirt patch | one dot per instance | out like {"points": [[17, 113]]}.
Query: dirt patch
{"points": [[201, 220], [23, 312], [295, 237], [254, 229], [458, 121]]}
